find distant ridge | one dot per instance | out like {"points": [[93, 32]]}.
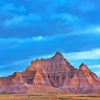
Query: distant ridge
{"points": [[51, 75]]}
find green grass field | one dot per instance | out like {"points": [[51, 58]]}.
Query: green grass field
{"points": [[51, 97]]}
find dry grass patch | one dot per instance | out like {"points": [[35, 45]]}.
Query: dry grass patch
{"points": [[51, 97]]}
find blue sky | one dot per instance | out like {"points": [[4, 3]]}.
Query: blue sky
{"points": [[31, 29]]}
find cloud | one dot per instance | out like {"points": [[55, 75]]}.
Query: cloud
{"points": [[16, 63], [10, 7], [97, 66], [91, 54], [98, 73], [87, 6], [88, 29], [39, 38], [67, 18], [47, 17], [6, 43], [15, 66], [22, 40], [22, 20], [91, 29], [15, 21]]}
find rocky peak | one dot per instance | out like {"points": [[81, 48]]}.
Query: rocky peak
{"points": [[58, 55], [84, 67], [16, 74], [55, 74]]}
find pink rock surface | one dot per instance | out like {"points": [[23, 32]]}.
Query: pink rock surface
{"points": [[51, 75]]}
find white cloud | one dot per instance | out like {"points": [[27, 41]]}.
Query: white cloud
{"points": [[14, 21], [22, 40], [95, 66], [97, 29], [66, 17], [31, 39], [17, 63], [22, 20], [16, 42], [92, 29], [91, 54], [39, 38], [11, 7], [16, 66], [89, 29], [77, 56], [98, 73], [87, 6]]}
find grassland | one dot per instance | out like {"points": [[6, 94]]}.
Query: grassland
{"points": [[51, 97]]}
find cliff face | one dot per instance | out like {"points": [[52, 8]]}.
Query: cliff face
{"points": [[52, 75]]}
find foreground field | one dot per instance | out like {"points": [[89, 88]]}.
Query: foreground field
{"points": [[51, 97]]}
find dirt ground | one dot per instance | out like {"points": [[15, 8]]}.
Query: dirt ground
{"points": [[51, 97]]}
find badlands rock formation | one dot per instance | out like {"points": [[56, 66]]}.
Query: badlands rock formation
{"points": [[51, 75]]}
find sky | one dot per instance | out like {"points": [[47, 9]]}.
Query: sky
{"points": [[31, 29]]}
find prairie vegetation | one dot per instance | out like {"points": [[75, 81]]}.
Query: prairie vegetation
{"points": [[51, 97]]}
